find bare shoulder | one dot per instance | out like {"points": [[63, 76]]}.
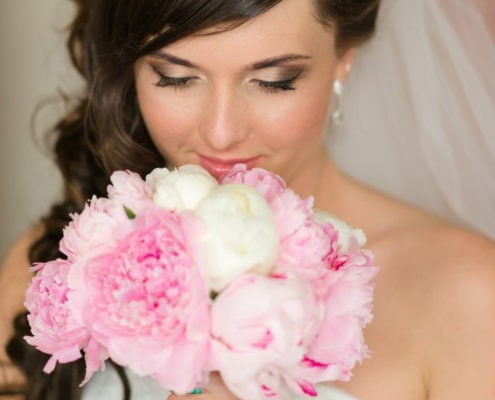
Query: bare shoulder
{"points": [[14, 279], [14, 270], [408, 237], [434, 310], [442, 280], [447, 256], [450, 267], [459, 320]]}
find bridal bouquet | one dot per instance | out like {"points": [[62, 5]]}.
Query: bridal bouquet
{"points": [[179, 275]]}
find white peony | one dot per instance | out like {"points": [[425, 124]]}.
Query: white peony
{"points": [[346, 231], [240, 234], [180, 189]]}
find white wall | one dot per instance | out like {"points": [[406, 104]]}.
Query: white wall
{"points": [[33, 68]]}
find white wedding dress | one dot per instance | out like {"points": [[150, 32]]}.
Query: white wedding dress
{"points": [[106, 385]]}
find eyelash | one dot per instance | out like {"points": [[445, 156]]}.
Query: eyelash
{"points": [[176, 83], [282, 85], [268, 86]]}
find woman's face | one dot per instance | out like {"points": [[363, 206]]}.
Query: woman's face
{"points": [[257, 94]]}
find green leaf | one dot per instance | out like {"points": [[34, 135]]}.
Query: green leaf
{"points": [[130, 214]]}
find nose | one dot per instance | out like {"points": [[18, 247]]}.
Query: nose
{"points": [[224, 123]]}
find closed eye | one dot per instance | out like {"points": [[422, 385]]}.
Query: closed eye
{"points": [[279, 85], [169, 81]]}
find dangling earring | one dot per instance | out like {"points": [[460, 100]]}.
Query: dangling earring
{"points": [[337, 115]]}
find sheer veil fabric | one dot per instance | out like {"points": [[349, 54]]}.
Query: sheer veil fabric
{"points": [[419, 109]]}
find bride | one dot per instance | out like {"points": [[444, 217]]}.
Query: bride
{"points": [[216, 82]]}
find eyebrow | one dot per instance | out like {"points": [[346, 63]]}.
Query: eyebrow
{"points": [[268, 63], [273, 62], [173, 59]]}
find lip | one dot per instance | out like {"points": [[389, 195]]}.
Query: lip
{"points": [[218, 167]]}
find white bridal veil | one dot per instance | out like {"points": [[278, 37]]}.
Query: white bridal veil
{"points": [[419, 108]]}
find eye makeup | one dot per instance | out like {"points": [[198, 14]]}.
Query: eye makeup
{"points": [[283, 81], [173, 81], [269, 78]]}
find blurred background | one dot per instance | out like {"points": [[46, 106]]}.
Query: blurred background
{"points": [[34, 69]]}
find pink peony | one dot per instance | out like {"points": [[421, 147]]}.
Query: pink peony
{"points": [[265, 182], [147, 301], [129, 190], [261, 328], [136, 285], [97, 227], [303, 242], [347, 292], [54, 329], [93, 230]]}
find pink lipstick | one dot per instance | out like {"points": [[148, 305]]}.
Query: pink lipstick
{"points": [[218, 167]]}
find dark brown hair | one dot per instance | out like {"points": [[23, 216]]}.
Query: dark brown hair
{"points": [[105, 132]]}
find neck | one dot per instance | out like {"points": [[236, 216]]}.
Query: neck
{"points": [[330, 190], [324, 181]]}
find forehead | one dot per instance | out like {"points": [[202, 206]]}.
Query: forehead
{"points": [[289, 27]]}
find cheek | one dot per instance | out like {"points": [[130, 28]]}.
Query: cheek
{"points": [[165, 114], [167, 121], [300, 121]]}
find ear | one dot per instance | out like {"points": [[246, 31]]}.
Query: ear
{"points": [[344, 65]]}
